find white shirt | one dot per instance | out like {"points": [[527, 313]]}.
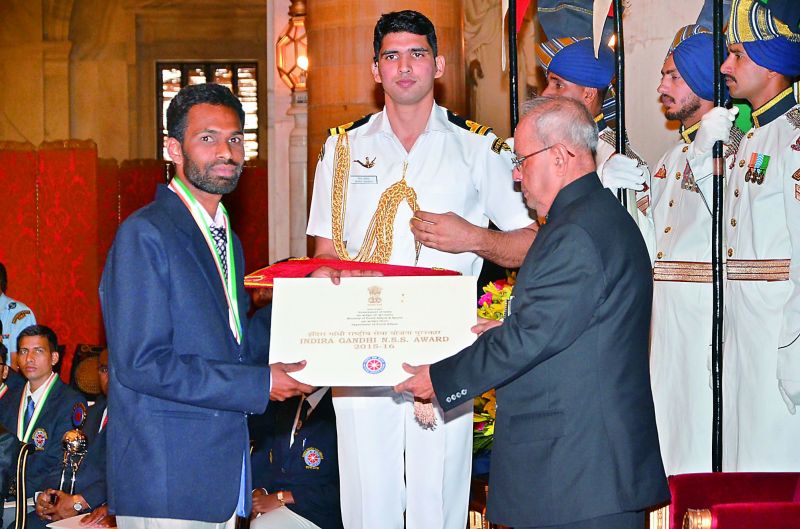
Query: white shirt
{"points": [[449, 167], [312, 399]]}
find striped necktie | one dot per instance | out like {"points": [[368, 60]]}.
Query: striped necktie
{"points": [[221, 242], [28, 413]]}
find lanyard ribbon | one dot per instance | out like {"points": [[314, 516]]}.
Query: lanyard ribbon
{"points": [[228, 284], [3, 389], [25, 436]]}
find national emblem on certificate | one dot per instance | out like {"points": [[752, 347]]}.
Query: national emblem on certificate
{"points": [[360, 332]]}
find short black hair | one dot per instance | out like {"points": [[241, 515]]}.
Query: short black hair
{"points": [[39, 330], [189, 96], [3, 278], [407, 21]]}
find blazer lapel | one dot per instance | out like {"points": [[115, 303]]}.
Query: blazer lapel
{"points": [[196, 246]]}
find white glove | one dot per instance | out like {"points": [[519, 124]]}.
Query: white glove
{"points": [[715, 125], [790, 393], [622, 172]]}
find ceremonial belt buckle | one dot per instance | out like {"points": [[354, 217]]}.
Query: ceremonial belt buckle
{"points": [[758, 269], [682, 271]]}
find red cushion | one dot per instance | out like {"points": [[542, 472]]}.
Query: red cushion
{"points": [[783, 515], [701, 491]]}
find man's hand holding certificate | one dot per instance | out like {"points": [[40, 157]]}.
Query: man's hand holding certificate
{"points": [[360, 332]]}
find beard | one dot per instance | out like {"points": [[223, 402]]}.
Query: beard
{"points": [[203, 179], [689, 105]]}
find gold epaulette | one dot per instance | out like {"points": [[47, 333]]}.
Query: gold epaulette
{"points": [[335, 131], [610, 136], [472, 126]]}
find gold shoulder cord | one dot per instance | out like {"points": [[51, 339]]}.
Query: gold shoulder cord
{"points": [[377, 245]]}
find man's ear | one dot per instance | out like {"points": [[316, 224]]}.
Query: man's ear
{"points": [[590, 95], [54, 358], [175, 150], [376, 74], [439, 66]]}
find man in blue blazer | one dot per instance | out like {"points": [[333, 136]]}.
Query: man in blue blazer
{"points": [[174, 305], [295, 465], [575, 440], [47, 406]]}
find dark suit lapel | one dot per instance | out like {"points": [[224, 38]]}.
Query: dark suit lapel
{"points": [[196, 245]]}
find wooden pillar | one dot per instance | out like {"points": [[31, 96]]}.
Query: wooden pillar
{"points": [[340, 84]]}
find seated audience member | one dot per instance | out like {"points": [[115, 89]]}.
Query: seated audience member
{"points": [[90, 485], [8, 442], [40, 411], [295, 462], [10, 378], [14, 316], [295, 465]]}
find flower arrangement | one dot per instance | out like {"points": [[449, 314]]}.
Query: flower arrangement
{"points": [[483, 422], [492, 305]]}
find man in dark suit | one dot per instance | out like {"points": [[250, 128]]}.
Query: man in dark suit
{"points": [[90, 484], [295, 465], [575, 440], [40, 411], [174, 305]]}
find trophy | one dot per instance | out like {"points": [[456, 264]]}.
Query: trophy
{"points": [[74, 443]]}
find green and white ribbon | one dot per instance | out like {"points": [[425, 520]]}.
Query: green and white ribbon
{"points": [[228, 284], [3, 389], [25, 436]]}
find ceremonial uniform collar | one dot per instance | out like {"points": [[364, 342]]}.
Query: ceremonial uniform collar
{"points": [[600, 119], [689, 133], [573, 191], [774, 108], [437, 121]]}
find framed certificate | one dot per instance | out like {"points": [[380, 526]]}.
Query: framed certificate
{"points": [[360, 332]]}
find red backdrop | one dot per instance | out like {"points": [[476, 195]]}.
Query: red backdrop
{"points": [[18, 217], [60, 207]]}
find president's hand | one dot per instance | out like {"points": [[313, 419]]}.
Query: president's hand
{"points": [[484, 325], [446, 232], [420, 384], [335, 275], [283, 385]]}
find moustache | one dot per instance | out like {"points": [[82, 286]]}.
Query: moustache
{"points": [[666, 99]]}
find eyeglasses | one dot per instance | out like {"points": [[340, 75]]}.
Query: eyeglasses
{"points": [[519, 160]]}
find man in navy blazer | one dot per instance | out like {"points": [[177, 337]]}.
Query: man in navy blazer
{"points": [[575, 440], [295, 464], [174, 305], [52, 405]]}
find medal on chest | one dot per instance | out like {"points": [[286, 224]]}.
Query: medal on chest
{"points": [[757, 168]]}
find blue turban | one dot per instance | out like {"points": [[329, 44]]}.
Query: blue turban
{"points": [[694, 58], [768, 41], [573, 59], [779, 55]]}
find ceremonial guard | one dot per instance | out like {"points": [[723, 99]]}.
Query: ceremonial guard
{"points": [[761, 373], [413, 164], [41, 411], [14, 316], [681, 194], [573, 71]]}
